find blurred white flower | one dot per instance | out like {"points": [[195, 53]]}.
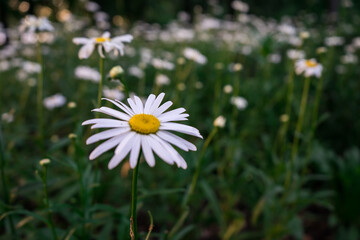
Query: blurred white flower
{"points": [[239, 102], [334, 41], [33, 24], [31, 67], [294, 54], [310, 67], [115, 44], [136, 72], [194, 55], [162, 64], [228, 88], [162, 79], [220, 121], [54, 101], [235, 67], [114, 93], [142, 126], [87, 73], [274, 58], [240, 6], [321, 50], [8, 117], [92, 6], [349, 59], [116, 72]]}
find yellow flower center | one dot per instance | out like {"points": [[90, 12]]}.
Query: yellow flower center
{"points": [[102, 39], [311, 63], [144, 123]]}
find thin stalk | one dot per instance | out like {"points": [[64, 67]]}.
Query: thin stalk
{"points": [[191, 188], [4, 182], [235, 110], [133, 217], [47, 203], [40, 88], [299, 124], [314, 120], [125, 88], [101, 82]]}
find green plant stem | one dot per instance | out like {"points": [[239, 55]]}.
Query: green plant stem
{"points": [[101, 82], [314, 120], [4, 182], [47, 203], [40, 88], [298, 130], [133, 217], [191, 188], [125, 88]]}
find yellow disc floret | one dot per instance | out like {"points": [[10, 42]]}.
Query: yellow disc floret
{"points": [[102, 39], [144, 123], [311, 63]]}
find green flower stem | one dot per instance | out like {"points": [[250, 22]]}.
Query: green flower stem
{"points": [[4, 182], [192, 186], [299, 124], [47, 202], [133, 217], [40, 87], [289, 100], [217, 93], [101, 82], [125, 88], [314, 120]]}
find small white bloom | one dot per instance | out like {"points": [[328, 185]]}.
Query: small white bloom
{"points": [[31, 67], [235, 67], [228, 88], [334, 41], [220, 121], [116, 72], [136, 72], [87, 73], [144, 127], [44, 162], [162, 79], [115, 44], [162, 64], [194, 55], [239, 102], [240, 6], [8, 117], [274, 58], [310, 67], [349, 59], [54, 101], [294, 54], [114, 93], [33, 24]]}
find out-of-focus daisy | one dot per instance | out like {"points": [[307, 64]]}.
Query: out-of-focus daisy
{"points": [[239, 102], [33, 24], [162, 64], [162, 79], [142, 126], [228, 88], [136, 72], [334, 41], [294, 54], [240, 6], [54, 101], [219, 121], [116, 72], [8, 117], [194, 55], [115, 44], [87, 73], [310, 67], [114, 93]]}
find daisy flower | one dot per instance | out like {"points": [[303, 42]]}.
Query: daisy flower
{"points": [[142, 126], [310, 67], [33, 24], [115, 44]]}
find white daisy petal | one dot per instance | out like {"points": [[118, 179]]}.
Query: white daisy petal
{"points": [[172, 112], [105, 146], [100, 50], [146, 150], [139, 104], [180, 128], [168, 118], [106, 134], [127, 109], [106, 35], [134, 155], [148, 103], [86, 50], [174, 154], [162, 108], [81, 40], [118, 157], [106, 122], [176, 140], [107, 46], [160, 151], [113, 113], [156, 103], [123, 38], [133, 106], [125, 143]]}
